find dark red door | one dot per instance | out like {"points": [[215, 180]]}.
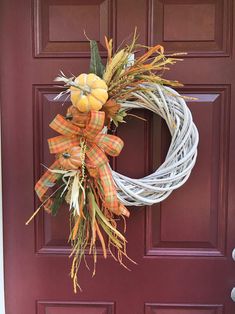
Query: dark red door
{"points": [[183, 246]]}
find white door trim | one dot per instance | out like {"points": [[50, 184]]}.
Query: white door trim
{"points": [[2, 294]]}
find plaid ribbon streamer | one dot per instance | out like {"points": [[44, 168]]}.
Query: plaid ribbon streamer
{"points": [[46, 180], [98, 145]]}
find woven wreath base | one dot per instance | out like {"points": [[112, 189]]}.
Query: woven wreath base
{"points": [[181, 156]]}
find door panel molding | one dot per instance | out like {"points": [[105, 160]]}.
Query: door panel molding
{"points": [[206, 32], [158, 308], [206, 228], [52, 40], [66, 307]]}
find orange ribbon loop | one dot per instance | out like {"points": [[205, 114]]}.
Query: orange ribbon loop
{"points": [[98, 145]]}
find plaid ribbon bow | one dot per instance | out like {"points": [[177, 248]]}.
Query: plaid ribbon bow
{"points": [[98, 145]]}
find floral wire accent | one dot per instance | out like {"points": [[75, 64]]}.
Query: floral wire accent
{"points": [[81, 176]]}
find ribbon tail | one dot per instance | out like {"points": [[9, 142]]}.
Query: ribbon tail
{"points": [[46, 180], [109, 192]]}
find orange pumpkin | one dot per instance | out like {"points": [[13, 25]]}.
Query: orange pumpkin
{"points": [[71, 159], [77, 117]]}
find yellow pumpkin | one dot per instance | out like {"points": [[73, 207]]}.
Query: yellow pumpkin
{"points": [[71, 160], [91, 92]]}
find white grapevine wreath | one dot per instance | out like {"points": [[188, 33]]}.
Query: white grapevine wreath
{"points": [[81, 176], [181, 155]]}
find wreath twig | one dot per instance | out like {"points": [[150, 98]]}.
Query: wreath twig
{"points": [[181, 156]]}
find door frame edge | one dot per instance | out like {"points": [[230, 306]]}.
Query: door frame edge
{"points": [[2, 287]]}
